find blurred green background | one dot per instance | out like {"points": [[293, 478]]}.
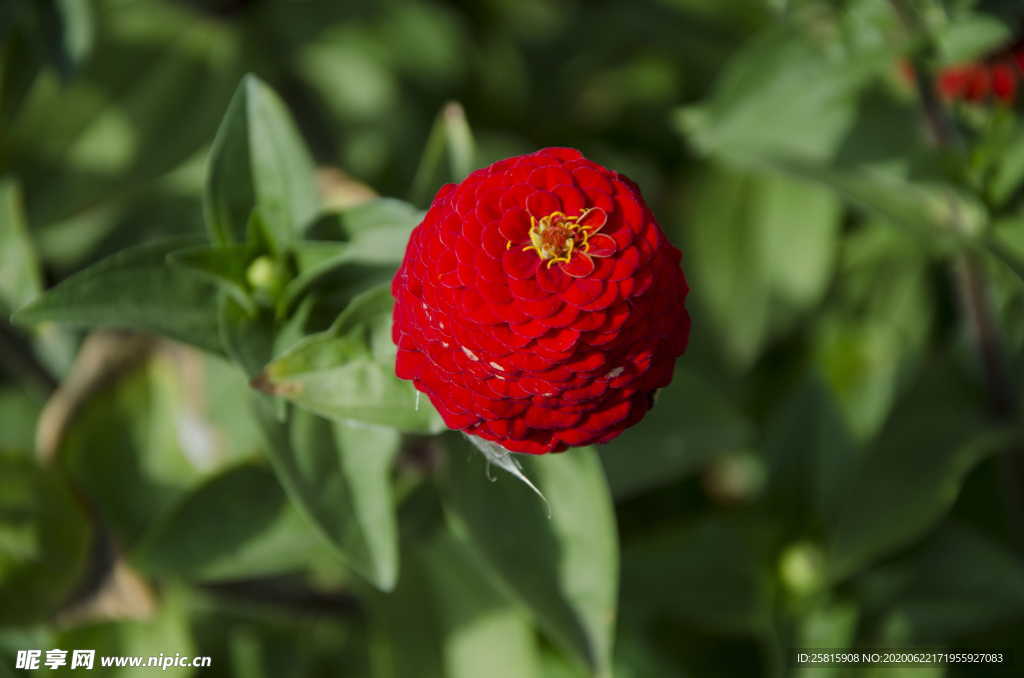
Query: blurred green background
{"points": [[837, 464]]}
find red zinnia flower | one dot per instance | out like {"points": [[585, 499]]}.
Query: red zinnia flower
{"points": [[539, 305]]}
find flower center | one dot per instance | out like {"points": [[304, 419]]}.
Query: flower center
{"points": [[556, 236]]}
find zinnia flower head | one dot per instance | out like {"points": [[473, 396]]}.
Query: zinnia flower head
{"points": [[539, 305]]}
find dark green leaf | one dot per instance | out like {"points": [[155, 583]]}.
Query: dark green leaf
{"points": [[134, 289], [248, 338], [236, 525], [869, 342], [705, 573], [259, 161], [45, 540], [134, 447], [914, 472], [348, 372], [339, 475], [958, 581], [564, 567], [691, 423]]}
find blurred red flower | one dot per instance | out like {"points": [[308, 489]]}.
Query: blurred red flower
{"points": [[995, 76]]}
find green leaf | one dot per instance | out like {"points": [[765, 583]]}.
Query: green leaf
{"points": [[217, 531], [868, 344], [903, 484], [485, 632], [85, 148], [704, 573], [134, 289], [339, 475], [374, 232], [956, 583], [808, 449], [744, 232], [129, 446], [466, 626], [971, 36], [20, 277], [224, 266], [451, 137], [45, 540], [791, 90], [259, 161], [691, 423], [347, 373], [247, 338], [932, 209], [564, 567], [166, 632]]}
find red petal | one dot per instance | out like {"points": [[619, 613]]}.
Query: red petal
{"points": [[515, 197], [552, 280], [549, 177], [589, 178], [565, 317], [626, 264], [541, 204], [583, 291], [580, 266], [525, 289], [515, 226], [520, 264], [562, 340], [493, 242], [607, 298], [594, 219], [542, 308], [560, 153], [602, 245], [571, 198]]}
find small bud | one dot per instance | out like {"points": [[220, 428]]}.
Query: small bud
{"points": [[263, 274], [735, 478], [802, 568]]}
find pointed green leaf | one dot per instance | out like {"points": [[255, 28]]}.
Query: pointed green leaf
{"points": [[20, 278], [564, 567], [259, 161], [134, 289], [339, 475], [451, 137], [347, 373]]}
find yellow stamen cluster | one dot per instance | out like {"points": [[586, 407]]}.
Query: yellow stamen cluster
{"points": [[556, 236]]}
